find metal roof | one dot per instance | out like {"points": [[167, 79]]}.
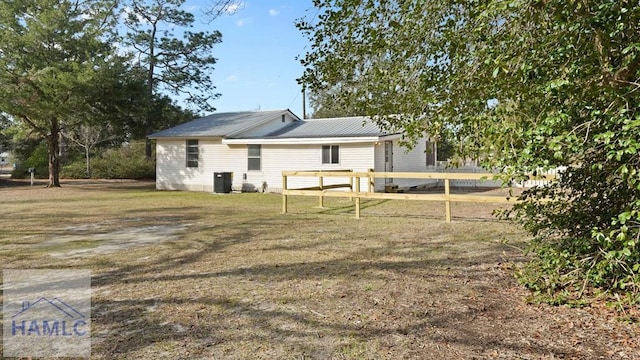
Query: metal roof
{"points": [[231, 125], [357, 126], [225, 124]]}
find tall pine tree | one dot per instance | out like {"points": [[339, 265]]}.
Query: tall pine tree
{"points": [[177, 62], [51, 51]]}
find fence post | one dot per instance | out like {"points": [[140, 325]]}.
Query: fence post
{"points": [[351, 186], [357, 197], [447, 201], [371, 181], [320, 185], [284, 194]]}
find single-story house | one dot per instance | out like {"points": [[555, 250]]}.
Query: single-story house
{"points": [[256, 146]]}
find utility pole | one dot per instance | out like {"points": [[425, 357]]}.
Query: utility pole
{"points": [[304, 103]]}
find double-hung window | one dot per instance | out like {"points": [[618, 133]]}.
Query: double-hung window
{"points": [[254, 157], [192, 153], [330, 154]]}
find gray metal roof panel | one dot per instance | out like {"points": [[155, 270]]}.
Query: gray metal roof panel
{"points": [[357, 126], [221, 124]]}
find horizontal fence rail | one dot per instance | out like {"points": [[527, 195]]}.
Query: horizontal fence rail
{"points": [[355, 192]]}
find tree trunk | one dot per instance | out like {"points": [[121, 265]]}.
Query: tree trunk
{"points": [[87, 154], [150, 83], [53, 144], [147, 146]]}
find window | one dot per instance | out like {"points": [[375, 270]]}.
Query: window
{"points": [[330, 154], [192, 153], [255, 157]]}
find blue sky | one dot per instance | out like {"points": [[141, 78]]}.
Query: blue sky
{"points": [[257, 66]]}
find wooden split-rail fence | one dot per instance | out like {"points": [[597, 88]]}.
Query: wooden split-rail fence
{"points": [[355, 192]]}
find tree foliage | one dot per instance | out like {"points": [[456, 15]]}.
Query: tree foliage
{"points": [[5, 134], [524, 86], [126, 161], [50, 53], [325, 104], [63, 73], [218, 8], [179, 63]]}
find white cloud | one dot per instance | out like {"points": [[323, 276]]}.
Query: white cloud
{"points": [[234, 7], [243, 22], [273, 12], [229, 79]]}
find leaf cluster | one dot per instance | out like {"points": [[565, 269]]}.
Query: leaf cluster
{"points": [[523, 86], [175, 59]]}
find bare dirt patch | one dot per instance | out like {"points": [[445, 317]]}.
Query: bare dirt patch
{"points": [[240, 280], [95, 242]]}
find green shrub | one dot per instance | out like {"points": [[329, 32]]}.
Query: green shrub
{"points": [[587, 233], [37, 158], [126, 162], [74, 170]]}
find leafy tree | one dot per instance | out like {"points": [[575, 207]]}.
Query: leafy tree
{"points": [[88, 137], [177, 63], [114, 115], [324, 104], [525, 86], [28, 151], [50, 52], [5, 135]]}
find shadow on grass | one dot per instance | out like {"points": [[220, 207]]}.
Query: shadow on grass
{"points": [[408, 297], [350, 207], [376, 208], [129, 326], [132, 327]]}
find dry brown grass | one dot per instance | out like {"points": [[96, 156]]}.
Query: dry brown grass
{"points": [[231, 278]]}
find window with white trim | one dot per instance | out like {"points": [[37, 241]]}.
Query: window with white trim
{"points": [[254, 158], [330, 154], [192, 153]]}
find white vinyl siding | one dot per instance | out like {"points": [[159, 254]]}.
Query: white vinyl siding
{"points": [[217, 157], [171, 173], [356, 157], [403, 161]]}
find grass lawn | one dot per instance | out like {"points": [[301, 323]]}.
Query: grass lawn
{"points": [[180, 275]]}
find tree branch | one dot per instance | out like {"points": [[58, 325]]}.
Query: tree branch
{"points": [[626, 74], [603, 56], [32, 124]]}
